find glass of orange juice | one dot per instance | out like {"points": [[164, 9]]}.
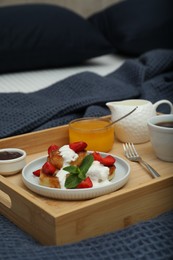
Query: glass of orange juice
{"points": [[94, 131]]}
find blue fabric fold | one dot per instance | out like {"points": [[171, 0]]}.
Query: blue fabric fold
{"points": [[148, 77], [146, 240]]}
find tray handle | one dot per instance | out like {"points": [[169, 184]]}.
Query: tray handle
{"points": [[15, 201]]}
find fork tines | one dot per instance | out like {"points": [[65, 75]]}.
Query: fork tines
{"points": [[129, 149]]}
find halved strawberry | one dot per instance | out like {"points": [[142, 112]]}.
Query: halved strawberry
{"points": [[87, 183], [109, 160], [37, 173], [97, 157], [53, 147], [48, 168], [78, 146]]}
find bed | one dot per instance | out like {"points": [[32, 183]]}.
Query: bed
{"points": [[103, 54], [30, 81]]}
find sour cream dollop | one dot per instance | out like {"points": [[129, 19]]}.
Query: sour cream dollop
{"points": [[98, 174], [62, 177], [68, 155]]}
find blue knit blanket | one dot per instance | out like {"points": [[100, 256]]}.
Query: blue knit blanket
{"points": [[149, 240], [148, 77]]}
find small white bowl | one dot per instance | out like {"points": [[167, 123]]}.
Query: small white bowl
{"points": [[12, 166]]}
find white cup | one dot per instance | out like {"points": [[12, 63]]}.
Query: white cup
{"points": [[161, 137], [134, 128]]}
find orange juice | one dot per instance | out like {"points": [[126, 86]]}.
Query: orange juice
{"points": [[94, 132]]}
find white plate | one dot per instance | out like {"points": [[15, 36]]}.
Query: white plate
{"points": [[32, 182]]}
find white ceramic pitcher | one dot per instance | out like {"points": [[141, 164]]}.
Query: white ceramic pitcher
{"points": [[134, 127]]}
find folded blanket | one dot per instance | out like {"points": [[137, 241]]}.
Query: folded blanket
{"points": [[147, 240], [85, 94]]}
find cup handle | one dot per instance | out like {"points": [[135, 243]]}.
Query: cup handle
{"points": [[164, 101]]}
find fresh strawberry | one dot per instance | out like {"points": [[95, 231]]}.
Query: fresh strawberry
{"points": [[48, 168], [107, 161], [78, 146], [53, 147], [37, 173], [97, 157], [87, 183]]}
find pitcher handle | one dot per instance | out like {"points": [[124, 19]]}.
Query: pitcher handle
{"points": [[164, 101]]}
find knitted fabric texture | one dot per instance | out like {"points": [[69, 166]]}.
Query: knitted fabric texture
{"points": [[147, 240], [85, 94]]}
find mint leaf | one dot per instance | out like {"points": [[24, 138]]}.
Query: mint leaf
{"points": [[82, 175], [72, 181], [86, 163], [72, 169], [77, 174]]}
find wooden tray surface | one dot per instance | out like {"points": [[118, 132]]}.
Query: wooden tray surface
{"points": [[57, 222]]}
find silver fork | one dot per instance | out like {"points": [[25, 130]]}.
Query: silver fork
{"points": [[131, 154]]}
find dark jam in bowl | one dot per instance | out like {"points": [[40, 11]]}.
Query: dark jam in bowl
{"points": [[9, 155]]}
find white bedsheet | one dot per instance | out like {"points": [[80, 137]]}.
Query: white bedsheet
{"points": [[35, 80]]}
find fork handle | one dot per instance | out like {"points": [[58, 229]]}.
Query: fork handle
{"points": [[150, 169]]}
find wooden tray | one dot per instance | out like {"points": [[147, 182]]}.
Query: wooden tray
{"points": [[55, 222]]}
